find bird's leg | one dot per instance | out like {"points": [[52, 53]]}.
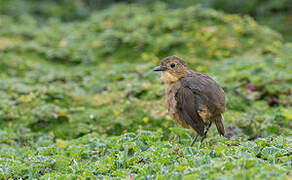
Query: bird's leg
{"points": [[194, 140], [206, 131]]}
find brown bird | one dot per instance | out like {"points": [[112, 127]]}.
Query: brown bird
{"points": [[193, 99]]}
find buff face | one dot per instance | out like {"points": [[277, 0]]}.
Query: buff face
{"points": [[172, 69]]}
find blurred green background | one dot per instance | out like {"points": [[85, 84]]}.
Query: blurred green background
{"points": [[275, 14], [78, 98]]}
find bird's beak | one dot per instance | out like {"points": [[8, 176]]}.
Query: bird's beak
{"points": [[160, 68]]}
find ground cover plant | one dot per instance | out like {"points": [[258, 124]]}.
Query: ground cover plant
{"points": [[79, 100], [275, 14]]}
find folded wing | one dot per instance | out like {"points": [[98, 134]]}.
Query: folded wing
{"points": [[187, 109]]}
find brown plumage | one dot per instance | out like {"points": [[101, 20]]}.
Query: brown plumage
{"points": [[193, 99]]}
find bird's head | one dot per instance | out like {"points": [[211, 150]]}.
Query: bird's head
{"points": [[172, 68]]}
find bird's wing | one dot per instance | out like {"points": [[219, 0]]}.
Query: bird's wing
{"points": [[210, 94], [187, 109]]}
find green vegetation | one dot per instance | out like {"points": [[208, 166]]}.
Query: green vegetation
{"points": [[79, 100], [275, 14]]}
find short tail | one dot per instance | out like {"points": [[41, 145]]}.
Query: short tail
{"points": [[219, 125]]}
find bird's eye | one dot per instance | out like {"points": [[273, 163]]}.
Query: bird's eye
{"points": [[172, 65]]}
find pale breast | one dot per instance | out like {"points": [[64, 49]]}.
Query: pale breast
{"points": [[171, 102]]}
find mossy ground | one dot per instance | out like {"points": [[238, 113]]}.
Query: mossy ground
{"points": [[79, 99]]}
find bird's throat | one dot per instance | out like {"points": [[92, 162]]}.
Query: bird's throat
{"points": [[168, 77]]}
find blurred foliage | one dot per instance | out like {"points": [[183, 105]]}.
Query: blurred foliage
{"points": [[79, 99], [150, 32], [276, 14], [71, 9]]}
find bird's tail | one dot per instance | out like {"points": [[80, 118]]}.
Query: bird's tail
{"points": [[219, 125]]}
